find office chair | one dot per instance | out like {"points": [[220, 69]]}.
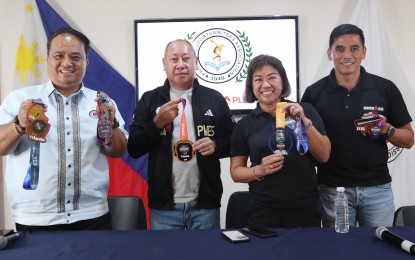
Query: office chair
{"points": [[404, 216], [127, 213], [236, 211]]}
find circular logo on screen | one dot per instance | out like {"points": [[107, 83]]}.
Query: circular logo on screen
{"points": [[223, 55]]}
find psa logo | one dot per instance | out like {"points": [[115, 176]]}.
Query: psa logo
{"points": [[232, 100], [223, 55]]}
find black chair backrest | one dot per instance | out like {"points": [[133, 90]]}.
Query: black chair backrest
{"points": [[404, 216], [236, 211], [127, 213]]}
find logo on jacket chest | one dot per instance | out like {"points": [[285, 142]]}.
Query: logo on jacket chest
{"points": [[202, 130], [205, 130]]}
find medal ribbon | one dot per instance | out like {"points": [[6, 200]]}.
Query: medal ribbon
{"points": [[32, 175], [36, 131], [183, 124], [280, 115], [183, 149], [301, 136], [280, 126]]}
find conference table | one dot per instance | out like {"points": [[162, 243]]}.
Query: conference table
{"points": [[297, 243]]}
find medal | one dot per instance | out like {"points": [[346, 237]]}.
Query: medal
{"points": [[104, 127], [183, 149], [281, 136], [38, 127], [370, 124]]}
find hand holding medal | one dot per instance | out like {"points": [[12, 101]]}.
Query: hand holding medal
{"points": [[104, 127], [371, 123], [38, 127], [183, 149], [295, 111], [281, 136]]}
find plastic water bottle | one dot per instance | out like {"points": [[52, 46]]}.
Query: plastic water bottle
{"points": [[341, 210]]}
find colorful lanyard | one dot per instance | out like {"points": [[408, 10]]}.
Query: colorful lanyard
{"points": [[104, 127]]}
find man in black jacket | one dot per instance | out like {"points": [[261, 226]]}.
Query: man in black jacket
{"points": [[185, 128]]}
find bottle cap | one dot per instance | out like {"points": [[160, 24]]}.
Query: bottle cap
{"points": [[340, 189]]}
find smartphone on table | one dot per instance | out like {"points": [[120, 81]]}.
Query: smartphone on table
{"points": [[234, 236], [260, 232]]}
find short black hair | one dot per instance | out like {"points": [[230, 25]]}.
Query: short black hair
{"points": [[68, 30], [257, 63], [346, 29]]}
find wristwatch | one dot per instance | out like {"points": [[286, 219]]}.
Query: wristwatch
{"points": [[18, 129], [116, 123], [17, 123], [390, 132]]}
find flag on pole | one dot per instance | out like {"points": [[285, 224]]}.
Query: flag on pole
{"points": [[30, 68], [128, 176], [381, 60]]}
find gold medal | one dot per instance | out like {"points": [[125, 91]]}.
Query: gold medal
{"points": [[183, 150], [39, 127]]}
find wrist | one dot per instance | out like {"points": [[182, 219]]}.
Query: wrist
{"points": [[309, 124], [116, 124], [390, 132], [18, 129], [157, 123], [255, 176], [385, 129]]}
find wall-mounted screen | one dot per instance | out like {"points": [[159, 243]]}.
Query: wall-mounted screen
{"points": [[224, 46]]}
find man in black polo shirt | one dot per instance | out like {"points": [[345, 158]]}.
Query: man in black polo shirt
{"points": [[360, 112]]}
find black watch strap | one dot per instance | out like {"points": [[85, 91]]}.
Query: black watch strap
{"points": [[390, 132], [116, 123], [17, 123]]}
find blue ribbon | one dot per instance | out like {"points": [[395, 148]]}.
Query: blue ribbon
{"points": [[301, 136], [32, 176]]}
